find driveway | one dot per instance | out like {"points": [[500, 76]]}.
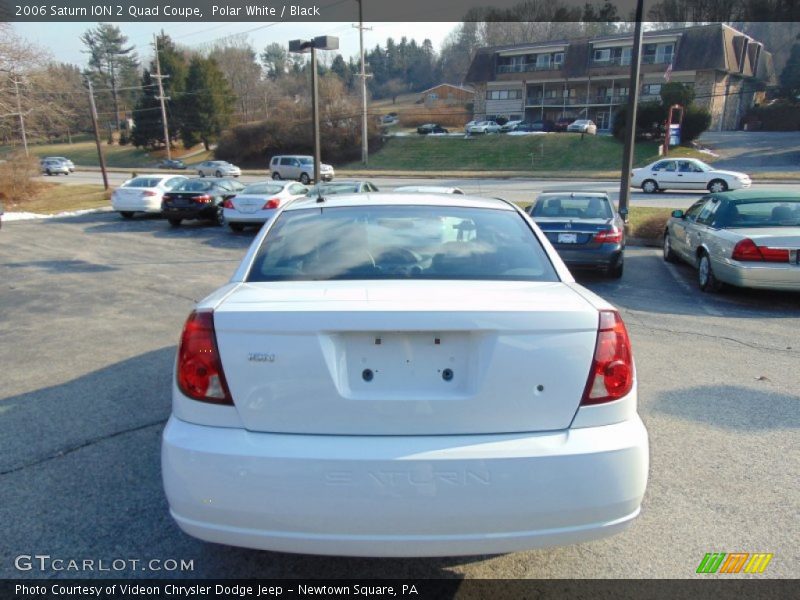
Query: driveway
{"points": [[91, 308], [754, 150]]}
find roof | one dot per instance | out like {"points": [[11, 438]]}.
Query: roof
{"points": [[575, 193], [400, 199], [463, 88], [759, 194]]}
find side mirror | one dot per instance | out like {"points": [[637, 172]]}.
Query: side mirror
{"points": [[678, 214]]}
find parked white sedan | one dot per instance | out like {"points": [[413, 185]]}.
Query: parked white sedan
{"points": [[686, 174], [218, 168], [403, 375], [483, 127], [143, 194], [259, 202]]}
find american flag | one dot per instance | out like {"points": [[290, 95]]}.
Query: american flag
{"points": [[668, 72]]}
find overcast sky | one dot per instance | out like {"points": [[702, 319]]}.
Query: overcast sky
{"points": [[63, 39]]}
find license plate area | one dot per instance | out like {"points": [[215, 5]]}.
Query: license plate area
{"points": [[567, 238], [405, 365]]}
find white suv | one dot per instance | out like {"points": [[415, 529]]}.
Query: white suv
{"points": [[298, 167]]}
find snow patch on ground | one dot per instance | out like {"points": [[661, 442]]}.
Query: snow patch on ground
{"points": [[27, 216], [707, 151]]}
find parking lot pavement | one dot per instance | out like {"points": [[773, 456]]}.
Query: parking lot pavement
{"points": [[91, 308]]}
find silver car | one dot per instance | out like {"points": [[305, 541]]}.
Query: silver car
{"points": [[298, 167], [54, 166], [70, 165], [582, 126], [218, 168], [746, 238]]}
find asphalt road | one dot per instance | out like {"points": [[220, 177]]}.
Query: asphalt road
{"points": [[91, 308], [514, 189]]}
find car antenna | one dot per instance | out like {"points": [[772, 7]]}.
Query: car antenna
{"points": [[320, 197]]}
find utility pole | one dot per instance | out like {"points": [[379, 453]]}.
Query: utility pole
{"points": [[633, 100], [364, 125], [97, 135], [161, 97]]}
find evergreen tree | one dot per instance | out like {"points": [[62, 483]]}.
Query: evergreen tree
{"points": [[112, 63], [148, 130], [207, 103], [790, 76]]}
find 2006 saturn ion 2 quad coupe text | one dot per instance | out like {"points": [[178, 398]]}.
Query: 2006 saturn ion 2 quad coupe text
{"points": [[403, 375]]}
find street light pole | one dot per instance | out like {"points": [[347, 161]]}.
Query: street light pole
{"points": [[633, 100], [323, 42], [315, 113]]}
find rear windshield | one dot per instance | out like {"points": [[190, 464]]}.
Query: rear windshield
{"points": [[263, 188], [193, 185], [771, 213], [334, 188], [401, 242], [576, 207], [142, 182]]}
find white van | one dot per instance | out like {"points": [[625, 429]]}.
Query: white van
{"points": [[298, 167]]}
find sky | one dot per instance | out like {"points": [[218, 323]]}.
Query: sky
{"points": [[63, 39]]}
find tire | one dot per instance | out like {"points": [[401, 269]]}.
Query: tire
{"points": [[705, 275], [669, 253], [201, 174], [219, 218], [304, 178], [49, 173], [276, 176], [126, 214], [649, 186], [615, 272], [174, 221], [716, 186], [237, 227], [218, 174]]}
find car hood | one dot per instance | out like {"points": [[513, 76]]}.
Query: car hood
{"points": [[729, 173]]}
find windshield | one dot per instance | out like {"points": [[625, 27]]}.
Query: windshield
{"points": [[263, 188], [334, 188], [401, 242], [572, 207], [762, 213]]}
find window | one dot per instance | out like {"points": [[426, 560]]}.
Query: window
{"points": [[297, 189], [504, 94], [603, 55], [625, 57], [286, 161], [664, 53], [767, 212], [687, 166], [579, 207], [707, 214], [401, 242], [542, 61], [558, 58], [694, 209], [662, 165], [651, 89]]}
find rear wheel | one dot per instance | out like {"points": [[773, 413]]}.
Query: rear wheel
{"points": [[201, 174], [48, 172], [615, 272], [236, 226], [304, 178], [649, 186], [218, 173], [219, 218], [126, 214], [276, 176], [669, 253], [174, 221], [717, 185], [705, 275]]}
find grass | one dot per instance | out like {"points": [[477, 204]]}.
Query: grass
{"points": [[55, 198], [647, 222], [565, 153]]}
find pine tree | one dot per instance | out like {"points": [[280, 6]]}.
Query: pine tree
{"points": [[207, 103]]}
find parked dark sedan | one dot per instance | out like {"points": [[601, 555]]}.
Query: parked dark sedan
{"points": [[199, 198], [539, 125], [172, 164], [584, 228], [562, 123], [430, 128]]}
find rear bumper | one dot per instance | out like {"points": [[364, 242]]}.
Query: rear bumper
{"points": [[767, 276], [403, 495], [206, 212], [137, 205], [604, 256], [257, 218]]}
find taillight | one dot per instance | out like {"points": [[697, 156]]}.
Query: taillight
{"points": [[227, 203], [150, 193], [199, 371], [611, 375], [271, 203], [747, 251], [608, 236], [204, 199]]}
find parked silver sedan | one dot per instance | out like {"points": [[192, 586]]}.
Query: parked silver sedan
{"points": [[746, 238]]}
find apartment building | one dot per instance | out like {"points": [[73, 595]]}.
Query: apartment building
{"points": [[589, 78]]}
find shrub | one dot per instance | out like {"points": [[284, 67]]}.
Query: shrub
{"points": [[696, 120], [778, 116], [17, 183], [446, 116], [652, 227], [650, 117]]}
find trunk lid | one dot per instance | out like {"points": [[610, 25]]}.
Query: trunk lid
{"points": [[406, 358], [572, 232]]}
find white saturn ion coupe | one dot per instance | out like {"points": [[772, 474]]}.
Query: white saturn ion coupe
{"points": [[403, 375]]}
